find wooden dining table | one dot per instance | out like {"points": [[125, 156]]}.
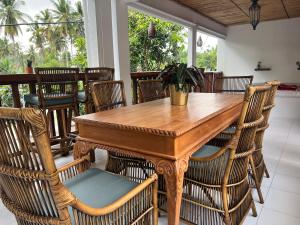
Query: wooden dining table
{"points": [[161, 133]]}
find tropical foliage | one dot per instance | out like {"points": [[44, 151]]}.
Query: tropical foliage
{"points": [[149, 54], [207, 59], [56, 35]]}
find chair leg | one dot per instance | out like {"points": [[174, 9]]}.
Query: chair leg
{"points": [[155, 203], [257, 185], [266, 171], [253, 207]]}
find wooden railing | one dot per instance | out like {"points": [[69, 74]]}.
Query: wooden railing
{"points": [[15, 81]]}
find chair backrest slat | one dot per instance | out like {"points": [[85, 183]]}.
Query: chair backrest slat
{"points": [[232, 84], [57, 82], [26, 162], [150, 90], [108, 95]]}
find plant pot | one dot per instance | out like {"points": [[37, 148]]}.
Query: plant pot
{"points": [[178, 97], [29, 70]]}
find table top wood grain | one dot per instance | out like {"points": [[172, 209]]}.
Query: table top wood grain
{"points": [[159, 128]]}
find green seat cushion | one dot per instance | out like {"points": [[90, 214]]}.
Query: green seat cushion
{"points": [[33, 99], [98, 188], [205, 151], [81, 96]]}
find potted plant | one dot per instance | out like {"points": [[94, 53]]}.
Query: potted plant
{"points": [[179, 78], [29, 68]]}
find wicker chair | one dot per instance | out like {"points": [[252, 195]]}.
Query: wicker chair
{"points": [[258, 166], [216, 183], [57, 93], [109, 95], [91, 75], [150, 90], [37, 192], [232, 84]]}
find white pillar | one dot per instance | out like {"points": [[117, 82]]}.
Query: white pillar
{"points": [[119, 12], [98, 32], [192, 46]]}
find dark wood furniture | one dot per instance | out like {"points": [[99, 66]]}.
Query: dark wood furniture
{"points": [[33, 189], [163, 134], [57, 97]]}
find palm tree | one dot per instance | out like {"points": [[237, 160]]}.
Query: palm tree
{"points": [[37, 37], [63, 12], [45, 16], [78, 15], [11, 15]]}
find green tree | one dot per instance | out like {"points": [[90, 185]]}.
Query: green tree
{"points": [[10, 15], [208, 59], [80, 58], [37, 36], [153, 54]]}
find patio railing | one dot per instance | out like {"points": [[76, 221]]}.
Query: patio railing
{"points": [[18, 82]]}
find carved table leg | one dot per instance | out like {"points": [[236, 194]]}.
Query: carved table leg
{"points": [[173, 172], [82, 148]]}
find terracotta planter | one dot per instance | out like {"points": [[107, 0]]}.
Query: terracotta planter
{"points": [[28, 70], [178, 98]]}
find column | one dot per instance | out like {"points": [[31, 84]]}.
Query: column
{"points": [[98, 32], [119, 11], [192, 45]]}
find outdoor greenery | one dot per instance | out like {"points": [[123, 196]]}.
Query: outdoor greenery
{"points": [[150, 54], [57, 36], [57, 39]]}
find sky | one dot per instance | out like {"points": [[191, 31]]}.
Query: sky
{"points": [[31, 8]]}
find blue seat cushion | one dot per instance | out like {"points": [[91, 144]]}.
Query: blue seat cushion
{"points": [[230, 129], [205, 151], [98, 188], [81, 96], [33, 99]]}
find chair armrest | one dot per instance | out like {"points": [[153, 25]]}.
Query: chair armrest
{"points": [[74, 168], [86, 209]]}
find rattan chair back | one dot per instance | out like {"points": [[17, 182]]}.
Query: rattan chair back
{"points": [[232, 84], [91, 75], [224, 193], [150, 90], [28, 174], [258, 166], [57, 83], [108, 95]]}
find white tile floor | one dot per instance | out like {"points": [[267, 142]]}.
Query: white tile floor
{"points": [[281, 191]]}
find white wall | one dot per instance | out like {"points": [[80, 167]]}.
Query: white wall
{"points": [[275, 43]]}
